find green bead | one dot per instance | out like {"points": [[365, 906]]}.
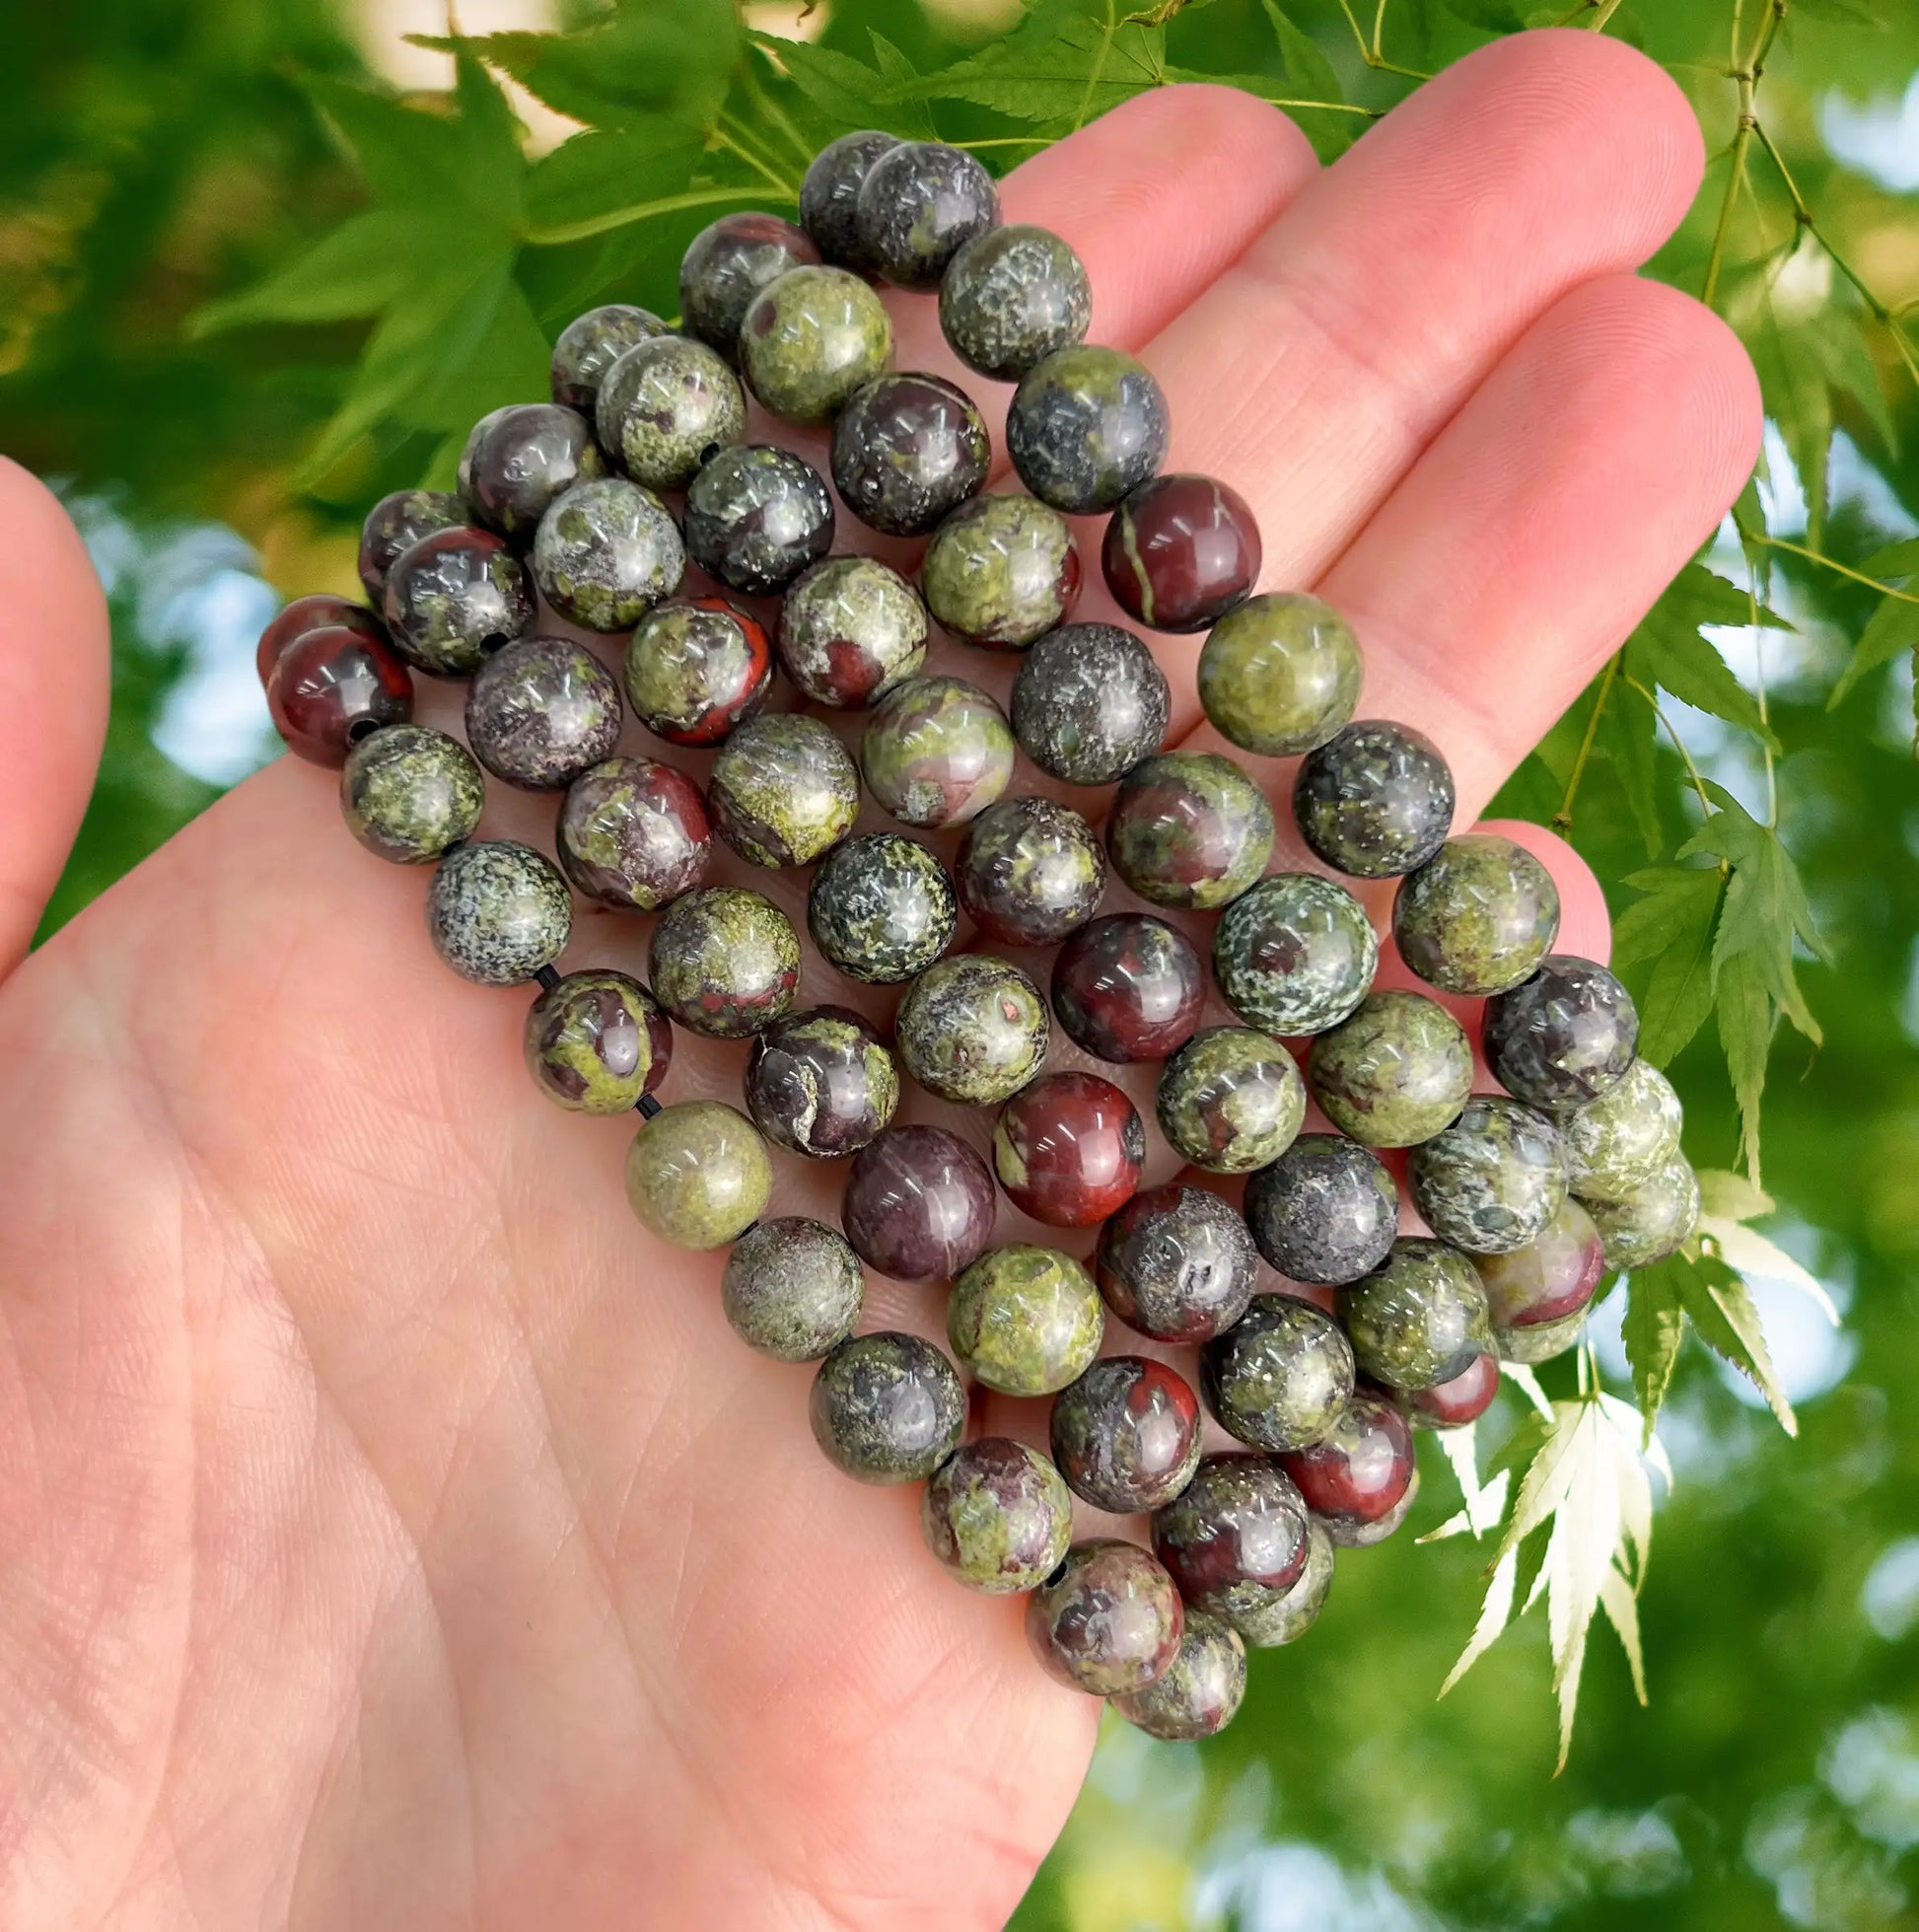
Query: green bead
{"points": [[810, 340], [1189, 829], [1280, 1376], [1492, 1181], [937, 752], [410, 794], [697, 1174], [1615, 1143], [1295, 955], [1419, 1318], [1395, 1073], [972, 1029], [497, 912], [724, 963], [1086, 426], [1478, 916], [851, 628], [1001, 571], [1231, 1100], [880, 908], [792, 1289], [997, 1516], [1010, 298], [1282, 1617], [783, 789], [605, 554], [1652, 1220], [1280, 673], [1026, 1320], [666, 407], [1199, 1691], [888, 1408]]}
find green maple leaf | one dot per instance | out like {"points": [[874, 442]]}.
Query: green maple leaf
{"points": [[1668, 650], [1890, 632], [1673, 927], [849, 93], [1653, 1329]]}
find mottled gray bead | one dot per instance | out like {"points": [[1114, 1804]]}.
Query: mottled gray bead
{"points": [[1565, 1035], [1088, 702], [1012, 297], [520, 460], [792, 1288], [972, 1029], [756, 516], [1231, 1100], [1295, 955], [497, 912], [1478, 917], [1087, 427], [920, 203], [724, 963], [666, 407], [908, 449], [1326, 1211], [1281, 1616], [1029, 871], [1419, 1318], [541, 711], [1280, 1377], [1493, 1180], [880, 908], [727, 264], [410, 794], [591, 344], [888, 1408], [605, 554], [1373, 799], [1652, 1220], [830, 195], [1615, 1142], [394, 525]]}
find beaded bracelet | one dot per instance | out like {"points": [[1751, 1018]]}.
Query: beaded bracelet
{"points": [[1530, 1196]]}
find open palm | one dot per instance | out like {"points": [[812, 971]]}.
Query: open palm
{"points": [[392, 1533]]}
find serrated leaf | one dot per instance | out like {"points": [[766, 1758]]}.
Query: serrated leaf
{"points": [[1732, 1196], [1890, 632], [357, 270], [1672, 926], [596, 181], [1494, 1616], [1485, 1503], [1653, 1329], [1165, 10], [1753, 1254], [1722, 1311], [1628, 737], [894, 69], [847, 91], [1900, 559], [1746, 1022], [1621, 1608], [1668, 650], [1306, 65], [1521, 1377]]}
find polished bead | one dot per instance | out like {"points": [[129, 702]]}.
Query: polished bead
{"points": [[1326, 1211], [1280, 1377], [972, 1029], [1068, 1149], [1478, 917], [1355, 1477], [1108, 1622], [695, 669], [1029, 871], [1537, 1288], [997, 1516], [724, 963], [1125, 1434], [591, 344], [1493, 1180], [918, 205], [937, 752], [821, 1083], [318, 612], [634, 832], [830, 195], [783, 790], [1001, 572], [1294, 953], [519, 461], [888, 1408], [1373, 799], [454, 599], [809, 340], [1181, 552], [1177, 1263], [540, 711], [792, 1289], [1231, 1100], [907, 450], [851, 629], [1088, 702], [1652, 1220], [1128, 987], [497, 912], [605, 554], [1564, 1035], [595, 1041], [697, 1174], [1012, 297], [1454, 1403], [1619, 1140], [1419, 1318], [1199, 1692], [1189, 829], [333, 688], [394, 526], [666, 408], [756, 516], [880, 908], [727, 264], [410, 794], [919, 1204], [1087, 427], [1234, 1536], [1394, 1074], [1269, 1619], [1280, 673]]}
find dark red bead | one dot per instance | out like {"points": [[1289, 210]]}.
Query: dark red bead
{"points": [[331, 687], [319, 612], [1453, 1404], [1356, 1475], [919, 1204], [1128, 987], [1068, 1149], [1125, 1435], [1182, 552], [1239, 1521]]}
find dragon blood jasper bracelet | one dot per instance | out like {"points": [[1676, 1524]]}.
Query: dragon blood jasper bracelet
{"points": [[562, 526]]}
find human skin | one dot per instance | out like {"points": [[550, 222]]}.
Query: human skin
{"points": [[396, 1537]]}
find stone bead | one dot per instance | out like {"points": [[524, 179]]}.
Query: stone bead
{"points": [[1541, 1342], [1373, 799], [1108, 1622], [410, 794], [454, 599], [727, 264], [918, 205], [1088, 426], [520, 460], [1029, 871], [666, 408], [497, 912], [1492, 1181], [1455, 1404], [1012, 297], [919, 1204], [332, 688], [1355, 1477], [1419, 1318], [792, 1289], [1234, 1536], [1001, 572], [809, 340], [1231, 1100], [1394, 1074], [1564, 1035], [697, 1174], [1189, 829], [997, 1516], [851, 629], [1617, 1141], [597, 1041], [888, 1408], [1128, 987], [1026, 1320], [880, 908], [1181, 552], [821, 1083], [1068, 1149], [695, 669], [1294, 953], [1352, 1534], [756, 516], [1089, 703], [1544, 1282], [1651, 1221], [540, 711], [972, 1030], [318, 611], [634, 832], [1126, 1434], [1326, 1211], [1280, 673], [1177, 1264], [908, 449], [937, 752], [393, 527], [1478, 917], [1280, 1377], [1200, 1690], [783, 789], [724, 963], [589, 345], [605, 554], [1276, 1617], [830, 195]]}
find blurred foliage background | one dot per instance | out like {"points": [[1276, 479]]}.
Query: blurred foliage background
{"points": [[160, 165]]}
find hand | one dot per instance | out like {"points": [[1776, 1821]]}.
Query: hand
{"points": [[394, 1535]]}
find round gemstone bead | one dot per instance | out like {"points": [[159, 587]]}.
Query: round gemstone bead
{"points": [[972, 1029], [1419, 1318], [605, 554], [1373, 799], [727, 264], [333, 688], [1280, 1377], [918, 205], [1089, 703], [1564, 1035], [519, 461], [830, 195], [1275, 1618], [695, 670], [1651, 1221], [851, 629], [1455, 1404], [497, 912], [809, 340], [697, 1174], [1030, 871], [1478, 916], [1026, 1320], [410, 794], [880, 908], [591, 344], [919, 1204], [393, 527], [1126, 1434], [1356, 1477], [908, 449], [667, 405], [997, 1516], [1177, 1264], [1128, 987], [1108, 1622], [937, 752], [1231, 1100], [783, 789], [724, 963], [888, 1408], [1088, 426], [1181, 552], [1615, 1142], [1234, 1536], [306, 614], [597, 1041], [1001, 572], [821, 1083], [1394, 1074], [455, 597], [634, 832], [1492, 1181], [1280, 673], [1326, 1211], [1539, 1289], [756, 516], [1189, 829], [540, 711], [1068, 1149], [1200, 1690], [1294, 953], [1012, 297], [792, 1289]]}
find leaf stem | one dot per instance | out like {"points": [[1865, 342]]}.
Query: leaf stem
{"points": [[731, 139], [1370, 52], [1324, 106], [667, 204], [1679, 745], [1771, 543], [1098, 68], [765, 101], [1746, 73], [1562, 819]]}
